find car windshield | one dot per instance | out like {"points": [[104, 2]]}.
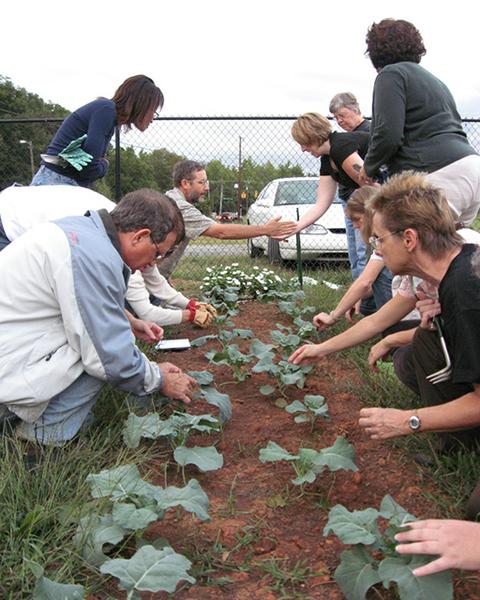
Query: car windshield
{"points": [[296, 192]]}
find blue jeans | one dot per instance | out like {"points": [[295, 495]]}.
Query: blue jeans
{"points": [[382, 288], [357, 249], [65, 413], [45, 176]]}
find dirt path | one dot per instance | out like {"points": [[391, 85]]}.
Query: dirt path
{"points": [[265, 539]]}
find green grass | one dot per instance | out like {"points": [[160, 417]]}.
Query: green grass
{"points": [[41, 504]]}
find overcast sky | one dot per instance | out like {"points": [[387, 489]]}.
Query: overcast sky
{"points": [[219, 57]]}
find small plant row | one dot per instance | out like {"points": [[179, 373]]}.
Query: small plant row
{"points": [[124, 505]]}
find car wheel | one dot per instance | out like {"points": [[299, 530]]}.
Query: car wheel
{"points": [[253, 251], [273, 252]]}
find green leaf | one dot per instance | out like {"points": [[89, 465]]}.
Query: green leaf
{"points": [[36, 569], [308, 476], [280, 402], [396, 514], [93, 532], [266, 390], [118, 484], [201, 377], [206, 459], [149, 570], [244, 334], [338, 456], [138, 427], [273, 453], [200, 341], [296, 406], [258, 348], [297, 378], [230, 297], [316, 404], [356, 575], [129, 516], [399, 569], [221, 401], [357, 527], [191, 497], [301, 419], [46, 589]]}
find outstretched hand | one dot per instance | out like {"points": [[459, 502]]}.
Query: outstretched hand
{"points": [[307, 354], [279, 230], [456, 543]]}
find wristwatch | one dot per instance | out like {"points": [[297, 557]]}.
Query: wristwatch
{"points": [[414, 422]]}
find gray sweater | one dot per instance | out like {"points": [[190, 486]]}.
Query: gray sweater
{"points": [[415, 123]]}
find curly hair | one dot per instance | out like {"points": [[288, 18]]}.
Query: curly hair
{"points": [[392, 41]]}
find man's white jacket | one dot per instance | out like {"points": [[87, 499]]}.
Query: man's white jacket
{"points": [[62, 297]]}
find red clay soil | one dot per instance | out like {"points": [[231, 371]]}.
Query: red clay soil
{"points": [[258, 517]]}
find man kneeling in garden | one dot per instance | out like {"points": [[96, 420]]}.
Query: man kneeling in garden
{"points": [[63, 328]]}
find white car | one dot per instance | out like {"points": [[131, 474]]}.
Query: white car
{"points": [[324, 240]]}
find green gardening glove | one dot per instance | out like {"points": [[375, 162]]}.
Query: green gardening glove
{"points": [[74, 155]]}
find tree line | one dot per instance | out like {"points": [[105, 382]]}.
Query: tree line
{"points": [[138, 169]]}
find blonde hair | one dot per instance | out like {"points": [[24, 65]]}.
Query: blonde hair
{"points": [[359, 203], [311, 128]]}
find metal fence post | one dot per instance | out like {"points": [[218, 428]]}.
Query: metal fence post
{"points": [[299, 255], [118, 182]]}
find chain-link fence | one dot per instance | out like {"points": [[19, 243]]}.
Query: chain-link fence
{"points": [[256, 172]]}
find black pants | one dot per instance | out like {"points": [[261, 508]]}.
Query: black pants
{"points": [[422, 357]]}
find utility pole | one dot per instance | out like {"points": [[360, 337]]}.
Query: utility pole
{"points": [[30, 148], [239, 179]]}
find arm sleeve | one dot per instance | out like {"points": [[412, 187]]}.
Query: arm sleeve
{"points": [[325, 166], [159, 287], [341, 148], [196, 222], [99, 134], [91, 293], [139, 299], [387, 132]]}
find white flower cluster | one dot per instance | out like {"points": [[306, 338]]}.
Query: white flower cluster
{"points": [[231, 278]]}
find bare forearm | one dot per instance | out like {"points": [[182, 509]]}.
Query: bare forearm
{"points": [[357, 291], [238, 232], [400, 338], [462, 413], [312, 215]]}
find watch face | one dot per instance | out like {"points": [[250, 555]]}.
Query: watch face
{"points": [[414, 422]]}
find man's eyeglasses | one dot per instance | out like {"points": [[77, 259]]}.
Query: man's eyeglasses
{"points": [[200, 181], [161, 255], [376, 241]]}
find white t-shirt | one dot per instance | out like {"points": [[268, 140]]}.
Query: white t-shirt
{"points": [[22, 207]]}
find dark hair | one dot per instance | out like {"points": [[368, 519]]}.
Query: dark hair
{"points": [[149, 209], [392, 41], [185, 169], [137, 96]]}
